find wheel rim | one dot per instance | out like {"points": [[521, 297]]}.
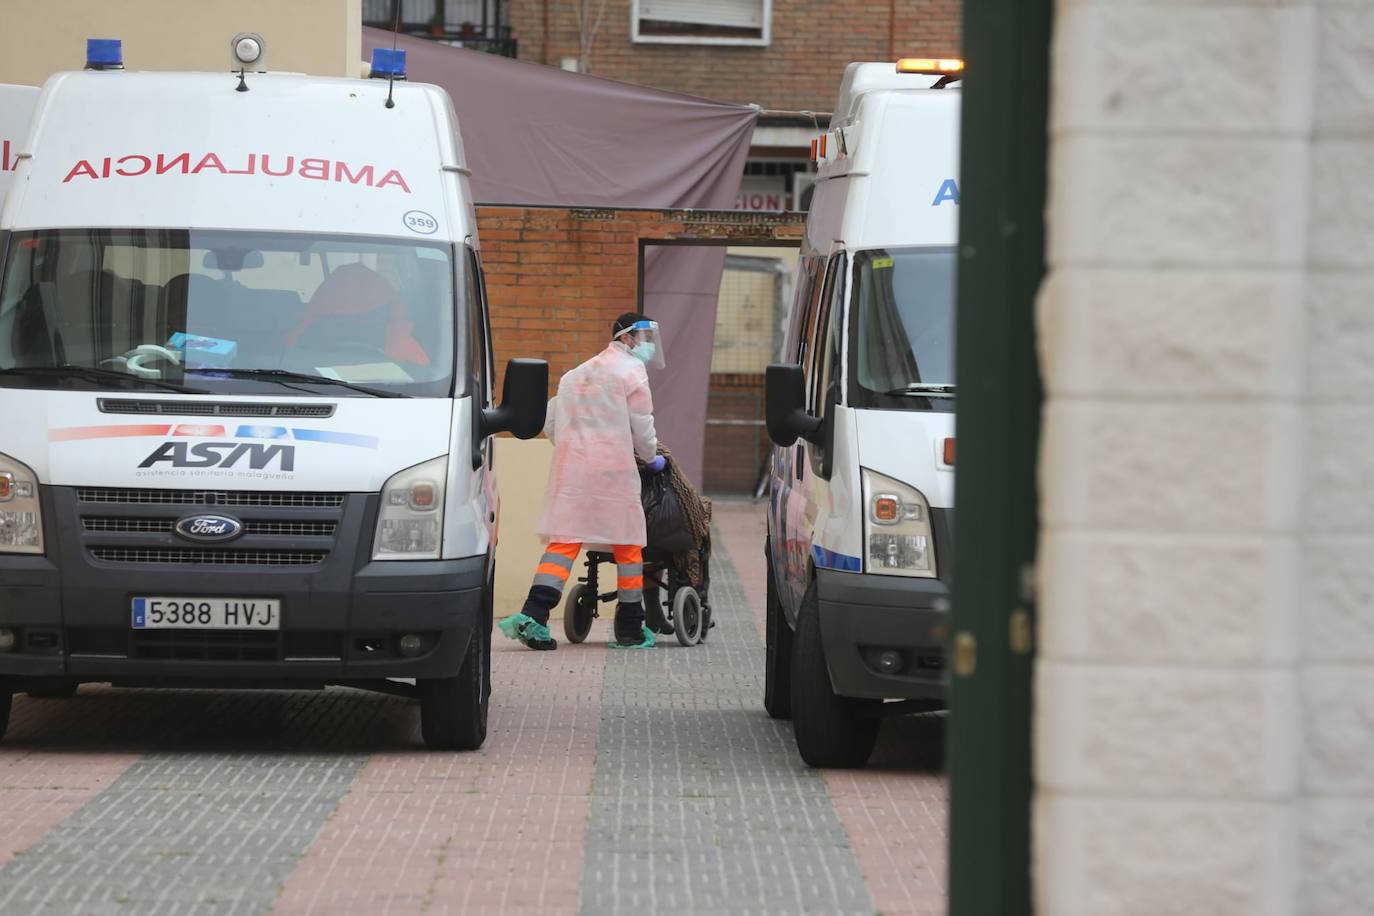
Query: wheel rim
{"points": [[687, 617], [578, 612]]}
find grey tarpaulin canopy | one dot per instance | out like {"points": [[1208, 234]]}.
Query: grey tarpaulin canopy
{"points": [[538, 136]]}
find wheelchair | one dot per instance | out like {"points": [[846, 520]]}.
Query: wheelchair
{"points": [[671, 604]]}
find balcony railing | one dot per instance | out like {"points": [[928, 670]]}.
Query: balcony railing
{"points": [[482, 25]]}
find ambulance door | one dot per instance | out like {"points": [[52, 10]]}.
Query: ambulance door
{"points": [[811, 497]]}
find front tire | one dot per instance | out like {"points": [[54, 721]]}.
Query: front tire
{"points": [[453, 710], [831, 731], [777, 672]]}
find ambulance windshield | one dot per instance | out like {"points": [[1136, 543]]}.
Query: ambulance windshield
{"points": [[229, 312], [902, 329]]}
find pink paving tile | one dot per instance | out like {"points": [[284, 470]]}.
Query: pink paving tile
{"points": [[40, 786], [895, 817], [499, 830]]}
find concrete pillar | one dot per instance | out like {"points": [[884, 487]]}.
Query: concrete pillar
{"points": [[1180, 468]]}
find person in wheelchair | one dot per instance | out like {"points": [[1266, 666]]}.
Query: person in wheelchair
{"points": [[600, 421]]}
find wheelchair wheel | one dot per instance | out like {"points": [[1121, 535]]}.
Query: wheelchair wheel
{"points": [[655, 616], [578, 611], [687, 617]]}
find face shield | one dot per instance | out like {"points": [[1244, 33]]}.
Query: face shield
{"points": [[645, 342]]}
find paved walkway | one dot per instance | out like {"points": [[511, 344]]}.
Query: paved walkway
{"points": [[611, 782]]}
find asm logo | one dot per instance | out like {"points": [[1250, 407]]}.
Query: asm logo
{"points": [[222, 455]]}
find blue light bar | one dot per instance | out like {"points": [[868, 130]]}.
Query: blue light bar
{"points": [[388, 63], [104, 54]]}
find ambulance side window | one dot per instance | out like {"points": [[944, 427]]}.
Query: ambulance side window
{"points": [[825, 368], [478, 344], [808, 297]]}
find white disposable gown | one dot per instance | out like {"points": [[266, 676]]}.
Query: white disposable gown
{"points": [[600, 420]]}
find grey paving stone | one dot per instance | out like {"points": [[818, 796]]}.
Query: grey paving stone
{"points": [[232, 791], [700, 802], [182, 833]]}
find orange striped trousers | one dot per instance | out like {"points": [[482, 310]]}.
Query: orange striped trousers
{"points": [[557, 564]]}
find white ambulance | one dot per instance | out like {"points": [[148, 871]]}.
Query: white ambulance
{"points": [[245, 375], [861, 412]]}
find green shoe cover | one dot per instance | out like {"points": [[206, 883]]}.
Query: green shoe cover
{"points": [[647, 642], [527, 630]]}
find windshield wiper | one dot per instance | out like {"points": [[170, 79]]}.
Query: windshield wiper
{"points": [[286, 375], [922, 390], [94, 374]]}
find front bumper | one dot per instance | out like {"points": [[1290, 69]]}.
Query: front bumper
{"points": [[863, 615], [341, 619]]}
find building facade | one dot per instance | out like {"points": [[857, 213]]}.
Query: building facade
{"points": [[779, 54]]}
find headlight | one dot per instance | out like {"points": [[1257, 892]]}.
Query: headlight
{"points": [[21, 520], [410, 523], [896, 528]]}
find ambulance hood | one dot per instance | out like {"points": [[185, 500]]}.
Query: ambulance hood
{"points": [[293, 153], [68, 440], [908, 446]]}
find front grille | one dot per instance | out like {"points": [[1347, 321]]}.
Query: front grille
{"points": [[266, 498], [140, 525], [168, 525], [129, 525], [212, 408], [174, 556], [292, 529], [207, 645]]}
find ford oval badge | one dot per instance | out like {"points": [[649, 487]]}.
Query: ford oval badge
{"points": [[209, 528]]}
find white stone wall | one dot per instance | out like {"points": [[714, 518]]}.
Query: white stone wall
{"points": [[1205, 692]]}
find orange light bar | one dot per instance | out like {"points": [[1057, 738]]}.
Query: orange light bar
{"points": [[823, 137], [949, 452], [930, 65]]}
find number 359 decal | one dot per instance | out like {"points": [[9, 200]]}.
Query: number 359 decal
{"points": [[421, 222]]}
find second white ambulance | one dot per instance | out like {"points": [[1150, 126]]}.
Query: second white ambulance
{"points": [[861, 411]]}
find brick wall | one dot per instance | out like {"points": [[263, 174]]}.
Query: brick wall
{"points": [[551, 269], [801, 68], [575, 270]]}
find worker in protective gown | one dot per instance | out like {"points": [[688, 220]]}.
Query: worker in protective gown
{"points": [[600, 421]]}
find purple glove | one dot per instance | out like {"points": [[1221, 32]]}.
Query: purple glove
{"points": [[657, 463]]}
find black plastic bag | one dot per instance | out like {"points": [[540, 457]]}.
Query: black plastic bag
{"points": [[663, 516]]}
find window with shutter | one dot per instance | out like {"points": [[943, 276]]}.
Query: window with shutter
{"points": [[725, 22]]}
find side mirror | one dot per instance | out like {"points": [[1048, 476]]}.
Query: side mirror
{"points": [[785, 405], [524, 401]]}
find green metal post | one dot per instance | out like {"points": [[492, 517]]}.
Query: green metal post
{"points": [[1002, 186]]}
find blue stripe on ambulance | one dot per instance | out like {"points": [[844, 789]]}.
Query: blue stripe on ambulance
{"points": [[829, 559]]}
